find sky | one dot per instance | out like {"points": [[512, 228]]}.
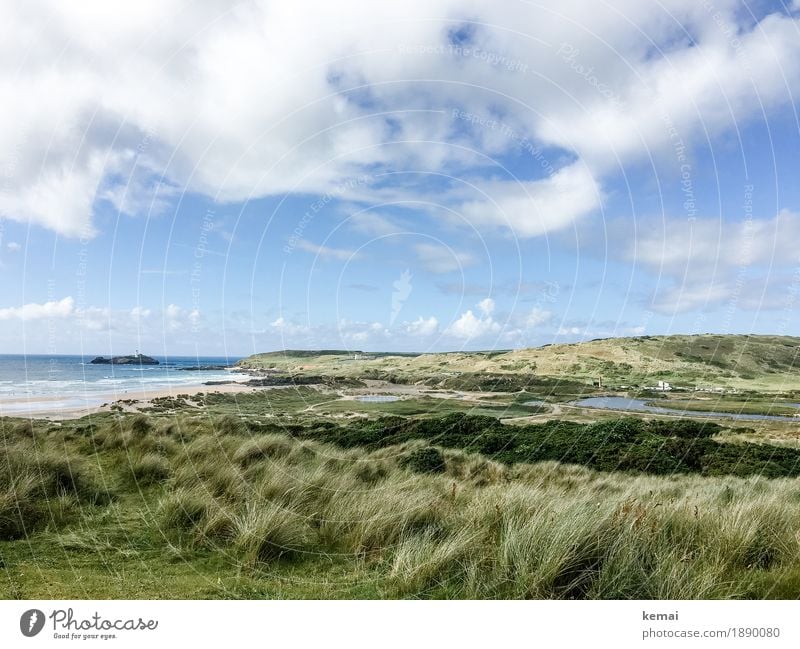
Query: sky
{"points": [[225, 178]]}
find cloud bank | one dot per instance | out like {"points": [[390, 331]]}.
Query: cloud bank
{"points": [[130, 109]]}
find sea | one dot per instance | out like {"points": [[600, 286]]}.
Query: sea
{"points": [[34, 383]]}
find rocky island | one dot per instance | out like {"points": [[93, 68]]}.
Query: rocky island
{"points": [[134, 359]]}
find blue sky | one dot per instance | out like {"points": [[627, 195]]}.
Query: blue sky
{"points": [[442, 175]]}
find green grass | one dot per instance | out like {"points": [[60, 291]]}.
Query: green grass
{"points": [[753, 406], [303, 404], [215, 506], [765, 363], [628, 444], [426, 406]]}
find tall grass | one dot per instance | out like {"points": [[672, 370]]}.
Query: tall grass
{"points": [[41, 485], [480, 529], [423, 521]]}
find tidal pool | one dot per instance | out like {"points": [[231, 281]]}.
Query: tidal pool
{"points": [[378, 398], [638, 405]]}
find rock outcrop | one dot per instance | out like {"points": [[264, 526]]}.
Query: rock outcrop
{"points": [[134, 359]]}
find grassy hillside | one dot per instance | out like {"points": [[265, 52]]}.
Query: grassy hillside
{"points": [[768, 363], [213, 506]]}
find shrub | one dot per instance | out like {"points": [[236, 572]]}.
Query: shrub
{"points": [[617, 431], [425, 460], [684, 428]]}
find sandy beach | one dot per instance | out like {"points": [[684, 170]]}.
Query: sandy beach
{"points": [[47, 407]]}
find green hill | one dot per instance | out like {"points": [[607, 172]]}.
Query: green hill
{"points": [[767, 363]]}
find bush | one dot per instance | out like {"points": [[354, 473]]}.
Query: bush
{"points": [[625, 444], [425, 460], [684, 428], [617, 431]]}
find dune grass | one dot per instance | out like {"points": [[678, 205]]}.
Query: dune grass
{"points": [[763, 363], [211, 507], [41, 484]]}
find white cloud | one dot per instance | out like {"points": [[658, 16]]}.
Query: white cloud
{"points": [[103, 103], [13, 246], [706, 262], [140, 313], [173, 312], [537, 317], [724, 75], [289, 329], [93, 318], [469, 326], [532, 208], [64, 326], [442, 259], [326, 252], [99, 96], [486, 306], [472, 325], [517, 328], [375, 225], [177, 318], [688, 296], [48, 310], [352, 333], [522, 327], [361, 332], [680, 246], [422, 326], [98, 319]]}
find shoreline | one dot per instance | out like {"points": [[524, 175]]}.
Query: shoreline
{"points": [[75, 407]]}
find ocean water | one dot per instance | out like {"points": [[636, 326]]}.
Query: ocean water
{"points": [[36, 383]]}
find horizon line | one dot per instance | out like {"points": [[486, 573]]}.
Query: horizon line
{"points": [[333, 350]]}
